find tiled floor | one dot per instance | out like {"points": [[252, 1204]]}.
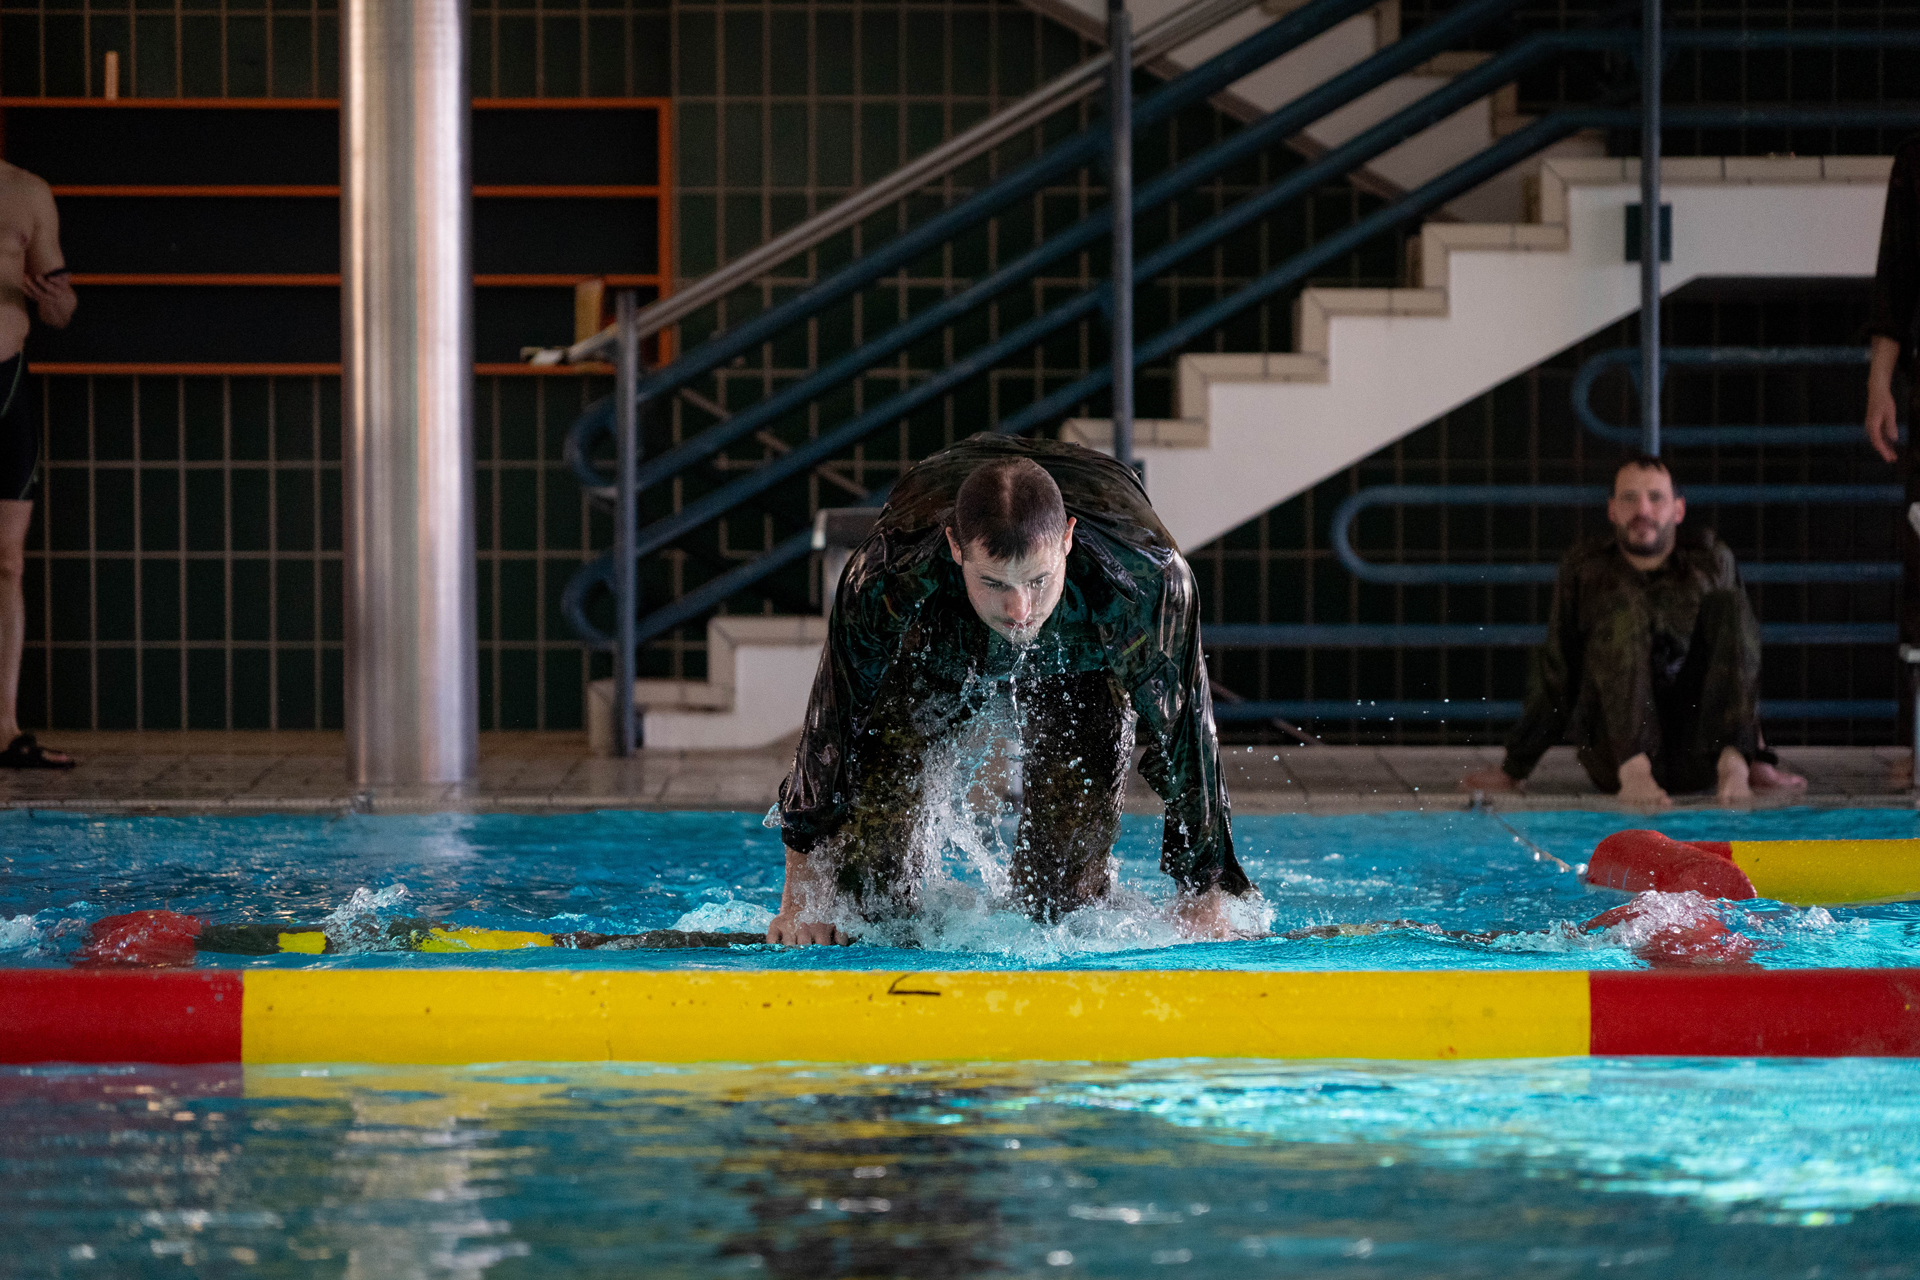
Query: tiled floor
{"points": [[305, 772]]}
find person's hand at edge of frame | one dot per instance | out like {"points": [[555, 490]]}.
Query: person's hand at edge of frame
{"points": [[53, 296]]}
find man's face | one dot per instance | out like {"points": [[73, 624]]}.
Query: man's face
{"points": [[1645, 512], [1014, 597]]}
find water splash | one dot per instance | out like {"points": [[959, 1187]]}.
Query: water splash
{"points": [[18, 933], [727, 916], [360, 923]]}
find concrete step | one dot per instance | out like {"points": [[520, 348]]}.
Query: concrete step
{"points": [[759, 673], [1494, 299]]}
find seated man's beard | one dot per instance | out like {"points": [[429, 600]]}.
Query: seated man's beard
{"points": [[1644, 537]]}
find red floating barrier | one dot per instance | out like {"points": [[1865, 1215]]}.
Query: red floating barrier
{"points": [[64, 1016], [143, 939], [1778, 1013], [1640, 860]]}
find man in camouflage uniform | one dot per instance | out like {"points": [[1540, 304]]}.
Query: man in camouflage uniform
{"points": [[1032, 577], [1652, 660]]}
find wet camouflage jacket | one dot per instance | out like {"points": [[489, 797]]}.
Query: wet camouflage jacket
{"points": [[1128, 607], [1596, 592]]}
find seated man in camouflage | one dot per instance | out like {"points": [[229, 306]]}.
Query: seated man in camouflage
{"points": [[1652, 660], [1004, 573]]}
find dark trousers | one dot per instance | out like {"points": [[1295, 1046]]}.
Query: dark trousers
{"points": [[1075, 746], [1681, 726], [1909, 731]]}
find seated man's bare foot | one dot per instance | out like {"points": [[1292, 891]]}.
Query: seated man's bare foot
{"points": [[1762, 776], [1733, 777], [1637, 786], [1493, 779]]}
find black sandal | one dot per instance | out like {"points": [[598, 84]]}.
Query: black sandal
{"points": [[26, 753]]}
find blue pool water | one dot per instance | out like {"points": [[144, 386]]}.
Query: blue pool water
{"points": [[624, 872], [1554, 1168], [1535, 1169]]}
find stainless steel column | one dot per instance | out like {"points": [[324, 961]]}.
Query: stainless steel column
{"points": [[1120, 170], [1650, 239], [626, 574], [407, 393]]}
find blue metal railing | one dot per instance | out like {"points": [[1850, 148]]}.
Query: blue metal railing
{"points": [[1085, 148], [1498, 635], [1480, 712], [1547, 495], [1595, 367]]}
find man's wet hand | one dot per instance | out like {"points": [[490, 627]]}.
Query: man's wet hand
{"points": [[1493, 779], [789, 930], [1203, 916]]}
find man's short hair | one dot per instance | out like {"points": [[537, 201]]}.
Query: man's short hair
{"points": [[1645, 462], [1012, 506]]}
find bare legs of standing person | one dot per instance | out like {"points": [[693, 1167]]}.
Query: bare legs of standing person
{"points": [[14, 519]]}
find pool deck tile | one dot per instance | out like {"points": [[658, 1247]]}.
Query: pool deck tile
{"points": [[553, 772]]}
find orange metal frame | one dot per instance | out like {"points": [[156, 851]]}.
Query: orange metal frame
{"points": [[610, 192], [660, 190], [269, 369], [321, 279]]}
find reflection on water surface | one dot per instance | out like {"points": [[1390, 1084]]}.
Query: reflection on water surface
{"points": [[1538, 1168]]}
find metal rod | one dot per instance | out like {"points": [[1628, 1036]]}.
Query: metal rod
{"points": [[1650, 244], [626, 593], [1591, 371], [1120, 169], [406, 299], [1545, 495], [1310, 711]]}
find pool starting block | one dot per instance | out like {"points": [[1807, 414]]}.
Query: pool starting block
{"points": [[468, 1016]]}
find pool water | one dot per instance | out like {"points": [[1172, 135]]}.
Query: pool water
{"points": [[1547, 1168], [1538, 1169], [622, 872]]}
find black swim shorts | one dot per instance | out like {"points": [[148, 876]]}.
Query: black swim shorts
{"points": [[19, 430]]}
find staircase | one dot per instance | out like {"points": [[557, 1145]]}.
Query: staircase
{"points": [[1496, 299], [1521, 253], [1405, 167]]}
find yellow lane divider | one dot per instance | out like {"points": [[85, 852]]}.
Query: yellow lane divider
{"points": [[416, 1016]]}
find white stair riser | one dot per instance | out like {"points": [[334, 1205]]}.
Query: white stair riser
{"points": [[770, 689], [1507, 311]]}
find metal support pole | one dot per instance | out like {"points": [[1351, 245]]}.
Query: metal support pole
{"points": [[1650, 240], [412, 686], [626, 586], [1120, 156]]}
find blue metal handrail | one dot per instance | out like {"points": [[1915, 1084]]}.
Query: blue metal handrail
{"points": [[1597, 366], [1438, 709], [1342, 89], [1550, 495], [1083, 148], [1497, 635], [1463, 177]]}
